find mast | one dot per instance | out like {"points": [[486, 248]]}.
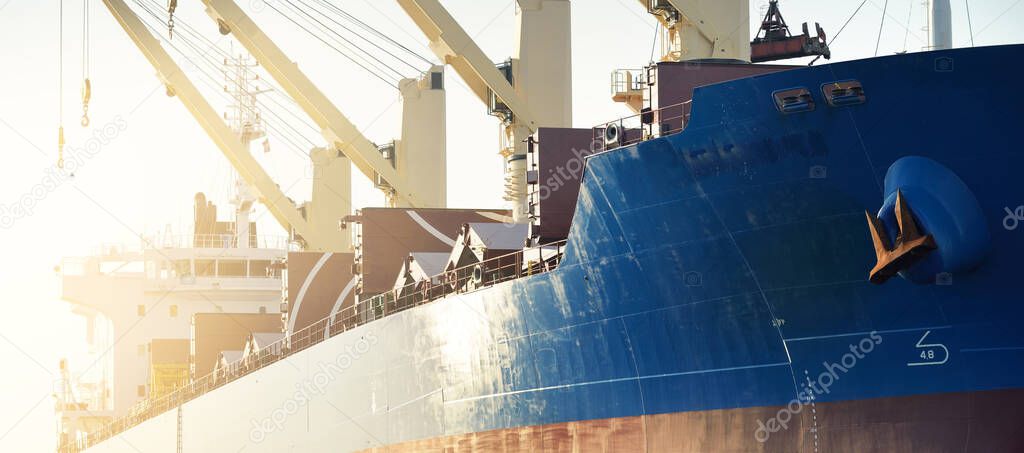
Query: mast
{"points": [[347, 141], [179, 85], [940, 25], [245, 119]]}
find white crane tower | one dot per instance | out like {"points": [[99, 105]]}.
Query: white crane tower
{"points": [[531, 90], [703, 29]]}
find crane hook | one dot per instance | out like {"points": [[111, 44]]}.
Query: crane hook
{"points": [[171, 6], [86, 96]]}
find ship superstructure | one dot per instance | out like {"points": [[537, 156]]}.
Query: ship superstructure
{"points": [[135, 298], [139, 301]]}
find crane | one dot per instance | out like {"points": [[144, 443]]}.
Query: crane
{"points": [[703, 29], [421, 150], [720, 30], [321, 235], [529, 91]]}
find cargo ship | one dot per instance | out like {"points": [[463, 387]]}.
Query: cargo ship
{"points": [[764, 258]]}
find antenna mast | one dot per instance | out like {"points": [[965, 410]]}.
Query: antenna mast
{"points": [[244, 118]]}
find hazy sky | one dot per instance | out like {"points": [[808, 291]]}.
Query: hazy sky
{"points": [[144, 179]]}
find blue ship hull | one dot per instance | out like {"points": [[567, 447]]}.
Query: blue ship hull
{"points": [[713, 296], [726, 266]]}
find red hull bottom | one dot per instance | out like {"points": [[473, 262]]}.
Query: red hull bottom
{"points": [[991, 421]]}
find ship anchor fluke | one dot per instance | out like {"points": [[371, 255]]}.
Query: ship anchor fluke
{"points": [[911, 246]]}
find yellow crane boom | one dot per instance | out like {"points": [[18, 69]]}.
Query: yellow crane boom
{"points": [[283, 210], [335, 126]]}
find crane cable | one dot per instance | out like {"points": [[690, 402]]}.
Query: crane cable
{"points": [[910, 16], [345, 14], [654, 44], [204, 56], [881, 27], [212, 46], [60, 84], [208, 57], [363, 65], [171, 6], [341, 37], [376, 32], [970, 24], [212, 81], [840, 30], [367, 40], [86, 84]]}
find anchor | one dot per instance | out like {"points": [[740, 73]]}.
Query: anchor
{"points": [[911, 246]]}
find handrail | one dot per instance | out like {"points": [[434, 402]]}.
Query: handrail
{"points": [[626, 80], [638, 128], [479, 275], [226, 240]]}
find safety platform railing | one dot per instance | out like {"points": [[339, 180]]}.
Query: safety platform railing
{"points": [[646, 125]]}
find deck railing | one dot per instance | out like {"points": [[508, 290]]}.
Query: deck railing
{"points": [[479, 275], [220, 241], [643, 126], [628, 80]]}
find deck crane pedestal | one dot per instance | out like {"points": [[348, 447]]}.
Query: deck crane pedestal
{"points": [[703, 29], [531, 90], [712, 39]]}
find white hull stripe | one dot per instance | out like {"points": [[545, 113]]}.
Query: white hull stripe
{"points": [[305, 287], [430, 228], [344, 295]]}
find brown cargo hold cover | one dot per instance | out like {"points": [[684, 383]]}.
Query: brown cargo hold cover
{"points": [[213, 333], [319, 284], [390, 234]]}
